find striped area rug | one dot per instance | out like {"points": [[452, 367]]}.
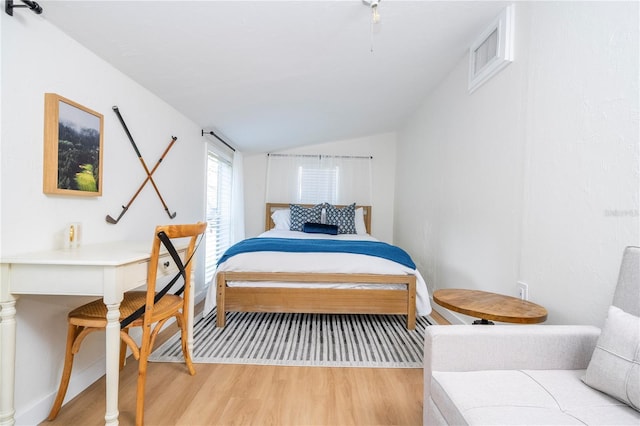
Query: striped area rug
{"points": [[326, 340]]}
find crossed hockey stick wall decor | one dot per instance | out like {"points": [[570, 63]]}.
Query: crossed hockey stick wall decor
{"points": [[149, 177]]}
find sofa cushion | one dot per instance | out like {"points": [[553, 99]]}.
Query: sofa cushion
{"points": [[615, 364], [524, 397]]}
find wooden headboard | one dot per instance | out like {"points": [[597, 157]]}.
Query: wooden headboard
{"points": [[271, 207]]}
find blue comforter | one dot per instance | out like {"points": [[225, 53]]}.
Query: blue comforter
{"points": [[294, 245]]}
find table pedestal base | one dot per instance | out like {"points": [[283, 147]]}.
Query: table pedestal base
{"points": [[483, 322]]}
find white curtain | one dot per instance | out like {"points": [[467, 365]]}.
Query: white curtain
{"points": [[237, 199], [225, 203], [303, 178]]}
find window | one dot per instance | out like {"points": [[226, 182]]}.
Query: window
{"points": [[218, 216], [317, 185]]}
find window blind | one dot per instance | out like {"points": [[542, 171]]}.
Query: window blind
{"points": [[218, 216], [317, 185]]}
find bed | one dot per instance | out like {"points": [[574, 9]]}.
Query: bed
{"points": [[316, 282]]}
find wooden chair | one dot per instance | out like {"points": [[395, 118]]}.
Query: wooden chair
{"points": [[147, 309]]}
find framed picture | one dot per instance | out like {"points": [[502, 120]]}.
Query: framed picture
{"points": [[73, 137], [492, 50]]}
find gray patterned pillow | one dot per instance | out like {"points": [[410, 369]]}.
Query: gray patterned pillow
{"points": [[343, 217], [301, 215]]}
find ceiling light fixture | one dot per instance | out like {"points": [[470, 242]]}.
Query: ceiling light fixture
{"points": [[375, 15], [373, 4]]}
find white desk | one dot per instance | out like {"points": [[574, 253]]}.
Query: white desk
{"points": [[103, 270]]}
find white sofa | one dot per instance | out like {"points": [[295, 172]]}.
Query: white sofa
{"points": [[533, 374]]}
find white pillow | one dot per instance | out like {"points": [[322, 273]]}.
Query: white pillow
{"points": [[282, 219], [615, 364], [361, 228]]}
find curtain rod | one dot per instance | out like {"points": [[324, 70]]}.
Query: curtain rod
{"points": [[321, 156], [220, 139]]}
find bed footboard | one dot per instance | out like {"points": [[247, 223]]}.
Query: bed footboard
{"points": [[316, 300]]}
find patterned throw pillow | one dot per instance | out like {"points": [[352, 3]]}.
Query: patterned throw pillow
{"points": [[301, 215], [343, 217], [614, 367]]}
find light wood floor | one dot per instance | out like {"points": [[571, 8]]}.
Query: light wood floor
{"points": [[222, 394]]}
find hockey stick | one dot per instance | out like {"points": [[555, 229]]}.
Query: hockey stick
{"points": [[144, 165], [125, 208]]}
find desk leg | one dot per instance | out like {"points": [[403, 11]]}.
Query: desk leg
{"points": [[190, 317], [7, 360], [112, 366]]}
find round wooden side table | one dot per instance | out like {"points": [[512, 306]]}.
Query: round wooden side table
{"points": [[490, 306]]}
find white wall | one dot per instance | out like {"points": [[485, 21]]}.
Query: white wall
{"points": [[383, 149], [534, 176], [583, 155], [37, 58]]}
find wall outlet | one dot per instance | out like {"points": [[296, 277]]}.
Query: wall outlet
{"points": [[523, 290]]}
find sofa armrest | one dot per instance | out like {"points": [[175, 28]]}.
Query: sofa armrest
{"points": [[505, 347], [508, 347]]}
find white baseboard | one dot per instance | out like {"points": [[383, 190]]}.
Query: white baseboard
{"points": [[199, 297], [447, 314], [81, 380]]}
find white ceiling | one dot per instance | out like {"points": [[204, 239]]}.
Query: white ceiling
{"points": [[269, 75]]}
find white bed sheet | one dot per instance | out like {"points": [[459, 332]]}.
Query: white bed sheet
{"points": [[317, 262]]}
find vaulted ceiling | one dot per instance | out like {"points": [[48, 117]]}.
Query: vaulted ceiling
{"points": [[269, 75]]}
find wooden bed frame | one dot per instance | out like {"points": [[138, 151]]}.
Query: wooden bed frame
{"points": [[315, 300]]}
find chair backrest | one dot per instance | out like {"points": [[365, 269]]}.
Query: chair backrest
{"points": [[627, 294], [174, 233]]}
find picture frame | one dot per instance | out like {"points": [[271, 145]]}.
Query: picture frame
{"points": [[73, 148], [492, 50]]}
